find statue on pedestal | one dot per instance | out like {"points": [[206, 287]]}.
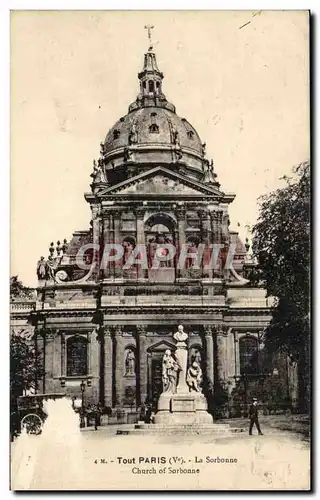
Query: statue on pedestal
{"points": [[194, 377], [42, 269], [182, 400], [170, 370], [180, 335]]}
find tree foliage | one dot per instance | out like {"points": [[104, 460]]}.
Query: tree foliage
{"points": [[281, 242], [19, 290], [25, 369]]}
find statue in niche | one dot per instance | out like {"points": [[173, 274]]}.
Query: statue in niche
{"points": [[128, 247], [41, 269], [130, 363], [194, 377], [170, 371], [192, 246], [156, 252]]}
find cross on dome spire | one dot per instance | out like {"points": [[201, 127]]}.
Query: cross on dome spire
{"points": [[149, 27]]}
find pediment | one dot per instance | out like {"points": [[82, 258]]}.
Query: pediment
{"points": [[159, 180], [162, 346]]}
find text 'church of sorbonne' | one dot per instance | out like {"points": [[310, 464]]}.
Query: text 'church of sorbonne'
{"points": [[159, 253]]}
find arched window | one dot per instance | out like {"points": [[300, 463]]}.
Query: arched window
{"points": [[248, 347], [154, 129], [77, 357], [151, 86], [116, 134]]}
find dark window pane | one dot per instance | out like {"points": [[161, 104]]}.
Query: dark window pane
{"points": [[248, 355], [76, 357]]}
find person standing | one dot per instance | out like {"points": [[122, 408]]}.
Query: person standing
{"points": [[254, 417]]}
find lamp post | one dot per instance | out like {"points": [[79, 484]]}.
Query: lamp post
{"points": [[82, 388]]}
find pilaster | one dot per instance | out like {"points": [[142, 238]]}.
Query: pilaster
{"points": [[143, 362], [209, 354], [108, 367]]}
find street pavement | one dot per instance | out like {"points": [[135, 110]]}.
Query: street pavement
{"points": [[102, 460]]}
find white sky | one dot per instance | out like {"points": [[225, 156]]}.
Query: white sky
{"points": [[73, 74]]}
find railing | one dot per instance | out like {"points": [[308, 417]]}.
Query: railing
{"points": [[22, 305]]}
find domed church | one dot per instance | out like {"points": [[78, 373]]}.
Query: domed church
{"points": [[110, 298]]}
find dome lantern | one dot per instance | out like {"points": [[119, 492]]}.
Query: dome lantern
{"points": [[150, 82]]}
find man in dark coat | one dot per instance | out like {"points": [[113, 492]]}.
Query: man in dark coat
{"points": [[254, 417]]}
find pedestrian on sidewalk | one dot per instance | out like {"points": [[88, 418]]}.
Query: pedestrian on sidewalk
{"points": [[254, 417]]}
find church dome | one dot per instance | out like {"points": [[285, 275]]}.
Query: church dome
{"points": [[154, 126], [152, 132]]}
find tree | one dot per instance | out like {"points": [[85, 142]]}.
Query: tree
{"points": [[17, 289], [281, 243], [25, 368]]}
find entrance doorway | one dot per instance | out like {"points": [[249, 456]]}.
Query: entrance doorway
{"points": [[156, 380]]}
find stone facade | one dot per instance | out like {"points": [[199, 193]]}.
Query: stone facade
{"points": [[109, 324]]}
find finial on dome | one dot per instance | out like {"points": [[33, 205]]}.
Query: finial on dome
{"points": [[149, 27]]}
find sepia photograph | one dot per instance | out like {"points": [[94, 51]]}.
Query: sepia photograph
{"points": [[160, 250]]}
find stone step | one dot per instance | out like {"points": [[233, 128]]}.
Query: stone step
{"points": [[184, 427], [171, 432]]}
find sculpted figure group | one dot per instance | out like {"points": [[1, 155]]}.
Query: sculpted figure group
{"points": [[171, 369]]}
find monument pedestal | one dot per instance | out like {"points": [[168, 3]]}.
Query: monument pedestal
{"points": [[183, 408]]}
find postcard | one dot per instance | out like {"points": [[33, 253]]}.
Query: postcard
{"points": [[160, 250]]}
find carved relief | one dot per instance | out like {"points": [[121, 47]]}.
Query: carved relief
{"points": [[159, 184]]}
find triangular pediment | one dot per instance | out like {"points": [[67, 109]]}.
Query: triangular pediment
{"points": [[160, 180], [161, 346]]}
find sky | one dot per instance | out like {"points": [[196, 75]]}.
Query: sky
{"points": [[241, 78]]}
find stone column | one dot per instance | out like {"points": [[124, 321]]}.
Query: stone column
{"points": [[203, 239], [63, 355], [88, 354], [208, 241], [217, 234], [96, 228], [107, 239], [139, 212], [236, 355], [209, 354], [41, 357], [117, 239], [221, 352], [119, 365], [49, 361], [108, 367], [93, 366], [143, 362], [181, 216]]}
